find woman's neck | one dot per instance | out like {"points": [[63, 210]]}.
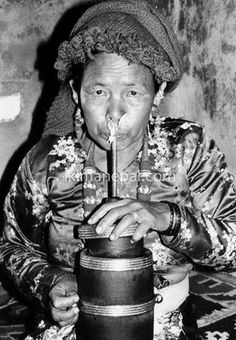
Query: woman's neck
{"points": [[124, 157]]}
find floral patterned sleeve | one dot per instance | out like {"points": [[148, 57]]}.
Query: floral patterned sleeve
{"points": [[208, 223], [22, 249]]}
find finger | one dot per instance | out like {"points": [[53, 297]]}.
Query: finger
{"points": [[62, 302], [64, 315], [103, 210], [124, 223], [112, 217], [69, 322], [141, 230]]}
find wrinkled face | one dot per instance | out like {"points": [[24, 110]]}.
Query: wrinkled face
{"points": [[113, 88]]}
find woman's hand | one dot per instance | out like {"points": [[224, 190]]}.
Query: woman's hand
{"points": [[63, 301], [148, 215]]}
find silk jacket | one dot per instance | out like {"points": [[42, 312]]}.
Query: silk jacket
{"points": [[46, 201]]}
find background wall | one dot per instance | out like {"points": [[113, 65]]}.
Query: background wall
{"points": [[30, 33]]}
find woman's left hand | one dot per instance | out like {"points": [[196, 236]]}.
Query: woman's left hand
{"points": [[123, 213], [63, 300]]}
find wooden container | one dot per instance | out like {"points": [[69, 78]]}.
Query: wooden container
{"points": [[101, 246], [97, 327], [116, 297]]}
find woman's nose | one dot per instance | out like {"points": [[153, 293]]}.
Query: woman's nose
{"points": [[115, 110]]}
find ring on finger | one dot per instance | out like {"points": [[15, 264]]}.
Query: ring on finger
{"points": [[136, 217]]}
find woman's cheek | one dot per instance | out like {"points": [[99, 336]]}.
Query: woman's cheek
{"points": [[94, 115], [94, 120]]}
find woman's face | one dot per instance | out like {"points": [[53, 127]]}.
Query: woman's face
{"points": [[113, 88]]}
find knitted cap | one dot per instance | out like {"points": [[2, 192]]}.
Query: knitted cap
{"points": [[147, 16], [131, 28]]}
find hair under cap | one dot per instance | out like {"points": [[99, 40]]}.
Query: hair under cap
{"points": [[131, 28]]}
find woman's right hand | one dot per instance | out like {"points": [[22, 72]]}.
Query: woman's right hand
{"points": [[63, 299]]}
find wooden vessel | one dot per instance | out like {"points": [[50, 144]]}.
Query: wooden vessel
{"points": [[115, 282]]}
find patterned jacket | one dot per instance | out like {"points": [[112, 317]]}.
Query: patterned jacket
{"points": [[46, 201]]}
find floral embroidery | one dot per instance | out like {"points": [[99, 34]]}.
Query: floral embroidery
{"points": [[70, 158], [11, 219], [41, 324], [65, 252], [36, 284], [14, 262], [188, 156], [38, 198], [161, 255], [48, 216], [166, 150], [227, 177], [230, 251], [13, 190], [221, 254], [185, 235], [160, 145], [80, 213], [208, 205], [55, 333], [168, 326], [178, 150]]}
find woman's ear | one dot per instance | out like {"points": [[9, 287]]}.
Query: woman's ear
{"points": [[74, 92]]}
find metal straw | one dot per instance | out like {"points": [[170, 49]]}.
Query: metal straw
{"points": [[113, 127], [114, 168]]}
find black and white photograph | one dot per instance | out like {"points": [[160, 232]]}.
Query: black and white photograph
{"points": [[117, 170]]}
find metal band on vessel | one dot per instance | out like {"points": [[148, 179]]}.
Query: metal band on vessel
{"points": [[116, 310], [113, 264]]}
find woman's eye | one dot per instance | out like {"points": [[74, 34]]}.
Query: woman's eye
{"points": [[133, 93], [99, 92]]}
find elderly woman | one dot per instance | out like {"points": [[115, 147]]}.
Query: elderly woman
{"points": [[120, 59]]}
